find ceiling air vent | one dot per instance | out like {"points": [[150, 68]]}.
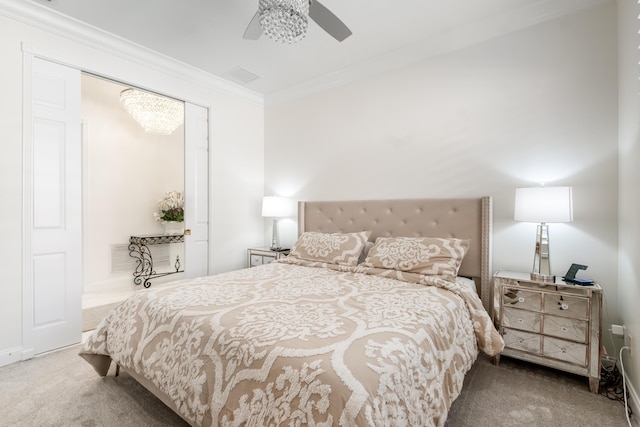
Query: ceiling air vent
{"points": [[241, 75]]}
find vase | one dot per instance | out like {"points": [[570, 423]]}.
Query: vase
{"points": [[173, 227]]}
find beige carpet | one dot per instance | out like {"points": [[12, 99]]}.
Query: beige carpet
{"points": [[93, 315], [518, 393], [61, 389]]}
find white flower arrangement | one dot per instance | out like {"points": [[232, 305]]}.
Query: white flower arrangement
{"points": [[171, 208]]}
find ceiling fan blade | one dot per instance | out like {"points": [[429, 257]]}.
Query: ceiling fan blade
{"points": [[328, 21], [254, 30]]}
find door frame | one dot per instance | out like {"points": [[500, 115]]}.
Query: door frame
{"points": [[28, 350]]}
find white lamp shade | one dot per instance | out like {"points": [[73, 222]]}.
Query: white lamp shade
{"points": [[543, 204], [275, 207]]}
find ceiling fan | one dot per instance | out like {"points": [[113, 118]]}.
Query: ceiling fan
{"points": [[287, 20]]}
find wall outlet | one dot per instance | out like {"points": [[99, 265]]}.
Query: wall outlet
{"points": [[627, 339], [617, 330]]}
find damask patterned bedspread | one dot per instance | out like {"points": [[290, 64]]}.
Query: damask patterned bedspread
{"points": [[285, 344]]}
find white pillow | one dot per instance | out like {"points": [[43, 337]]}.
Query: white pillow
{"points": [[464, 281]]}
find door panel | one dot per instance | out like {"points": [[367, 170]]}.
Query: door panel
{"points": [[50, 299], [48, 159], [54, 222], [196, 190]]}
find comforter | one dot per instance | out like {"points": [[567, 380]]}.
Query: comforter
{"points": [[298, 343]]}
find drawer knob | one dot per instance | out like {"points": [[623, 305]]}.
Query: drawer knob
{"points": [[520, 299], [563, 329], [564, 306], [521, 341]]}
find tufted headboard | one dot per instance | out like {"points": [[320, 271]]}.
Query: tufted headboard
{"points": [[460, 218]]}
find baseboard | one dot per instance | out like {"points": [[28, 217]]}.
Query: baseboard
{"points": [[11, 355], [634, 403], [112, 285]]}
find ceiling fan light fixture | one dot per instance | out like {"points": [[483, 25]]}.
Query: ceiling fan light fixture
{"points": [[156, 114], [284, 21]]}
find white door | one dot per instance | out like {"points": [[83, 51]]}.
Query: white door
{"points": [[196, 160], [53, 209]]}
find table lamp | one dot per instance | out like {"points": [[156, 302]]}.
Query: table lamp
{"points": [[275, 207], [543, 205]]}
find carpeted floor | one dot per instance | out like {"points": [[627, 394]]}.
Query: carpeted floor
{"points": [[61, 389], [517, 393], [93, 315]]}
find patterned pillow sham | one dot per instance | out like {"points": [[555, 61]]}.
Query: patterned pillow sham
{"points": [[333, 248], [423, 255]]}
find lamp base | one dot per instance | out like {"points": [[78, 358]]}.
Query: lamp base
{"points": [[543, 277], [541, 271], [275, 237]]}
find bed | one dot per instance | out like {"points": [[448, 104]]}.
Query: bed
{"points": [[373, 319]]}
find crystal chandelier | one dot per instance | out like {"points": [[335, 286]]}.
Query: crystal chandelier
{"points": [[284, 20], [156, 114]]}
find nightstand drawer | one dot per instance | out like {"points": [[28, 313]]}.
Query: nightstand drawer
{"points": [[567, 306], [267, 259], [261, 256], [563, 327], [526, 300], [564, 350], [519, 340], [256, 260], [261, 259], [522, 319]]}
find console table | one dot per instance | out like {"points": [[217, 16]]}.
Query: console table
{"points": [[139, 249]]}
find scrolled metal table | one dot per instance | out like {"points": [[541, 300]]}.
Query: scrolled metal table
{"points": [[139, 249]]}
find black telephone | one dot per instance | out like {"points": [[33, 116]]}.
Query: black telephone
{"points": [[571, 275]]}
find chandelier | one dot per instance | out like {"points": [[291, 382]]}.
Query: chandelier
{"points": [[156, 114], [284, 20]]}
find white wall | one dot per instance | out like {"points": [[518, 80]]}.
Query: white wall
{"points": [[629, 132], [236, 139], [126, 172], [538, 105]]}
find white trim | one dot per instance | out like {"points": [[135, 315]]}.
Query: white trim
{"points": [[27, 143], [10, 356], [122, 283], [54, 22], [634, 402]]}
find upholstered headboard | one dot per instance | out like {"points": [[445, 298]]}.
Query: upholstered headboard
{"points": [[459, 218]]}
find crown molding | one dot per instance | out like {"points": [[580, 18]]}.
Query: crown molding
{"points": [[54, 22]]}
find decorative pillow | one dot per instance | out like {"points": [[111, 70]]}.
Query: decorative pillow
{"points": [[334, 248], [423, 255]]}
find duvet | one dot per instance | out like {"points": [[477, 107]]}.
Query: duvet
{"points": [[299, 343]]}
